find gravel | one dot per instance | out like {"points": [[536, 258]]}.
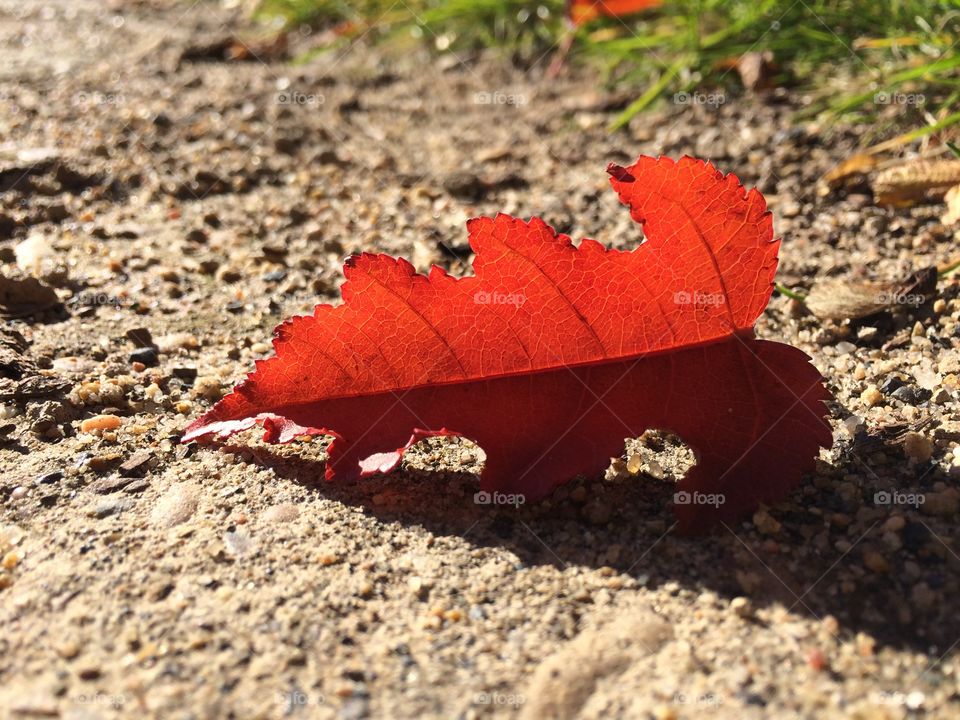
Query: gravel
{"points": [[182, 203]]}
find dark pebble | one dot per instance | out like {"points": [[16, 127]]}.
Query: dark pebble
{"points": [[912, 395], [148, 356], [108, 485], [891, 384], [50, 478], [275, 276], [184, 373], [137, 464], [141, 337], [137, 486]]}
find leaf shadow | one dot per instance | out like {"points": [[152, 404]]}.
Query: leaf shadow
{"points": [[627, 529]]}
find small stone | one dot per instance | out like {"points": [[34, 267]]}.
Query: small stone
{"points": [[866, 645], [915, 700], [853, 424], [419, 587], [146, 356], [816, 660], [285, 512], [106, 508], [876, 562], [917, 446], [765, 522], [109, 485], [176, 506], [945, 503], [11, 560], [207, 387], [136, 465], [871, 396], [69, 650], [912, 395], [895, 523], [184, 373], [742, 607], [100, 422], [104, 462], [89, 672]]}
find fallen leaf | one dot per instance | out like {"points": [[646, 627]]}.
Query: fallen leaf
{"points": [[846, 300], [915, 181], [853, 169], [583, 11], [551, 353]]}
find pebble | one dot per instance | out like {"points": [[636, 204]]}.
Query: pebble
{"points": [[285, 512], [917, 446], [207, 387], [147, 357], [106, 508], [176, 506], [945, 503], [895, 523], [876, 562], [100, 422], [765, 522], [742, 607], [912, 395], [871, 396], [136, 465]]}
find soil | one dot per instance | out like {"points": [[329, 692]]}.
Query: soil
{"points": [[180, 205]]}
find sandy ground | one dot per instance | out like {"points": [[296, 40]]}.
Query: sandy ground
{"points": [[172, 198]]}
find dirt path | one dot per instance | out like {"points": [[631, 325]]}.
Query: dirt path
{"points": [[163, 192]]}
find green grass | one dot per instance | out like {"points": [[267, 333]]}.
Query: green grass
{"points": [[850, 55]]}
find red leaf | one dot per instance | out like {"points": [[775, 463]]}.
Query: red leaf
{"points": [[583, 11], [552, 354]]}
